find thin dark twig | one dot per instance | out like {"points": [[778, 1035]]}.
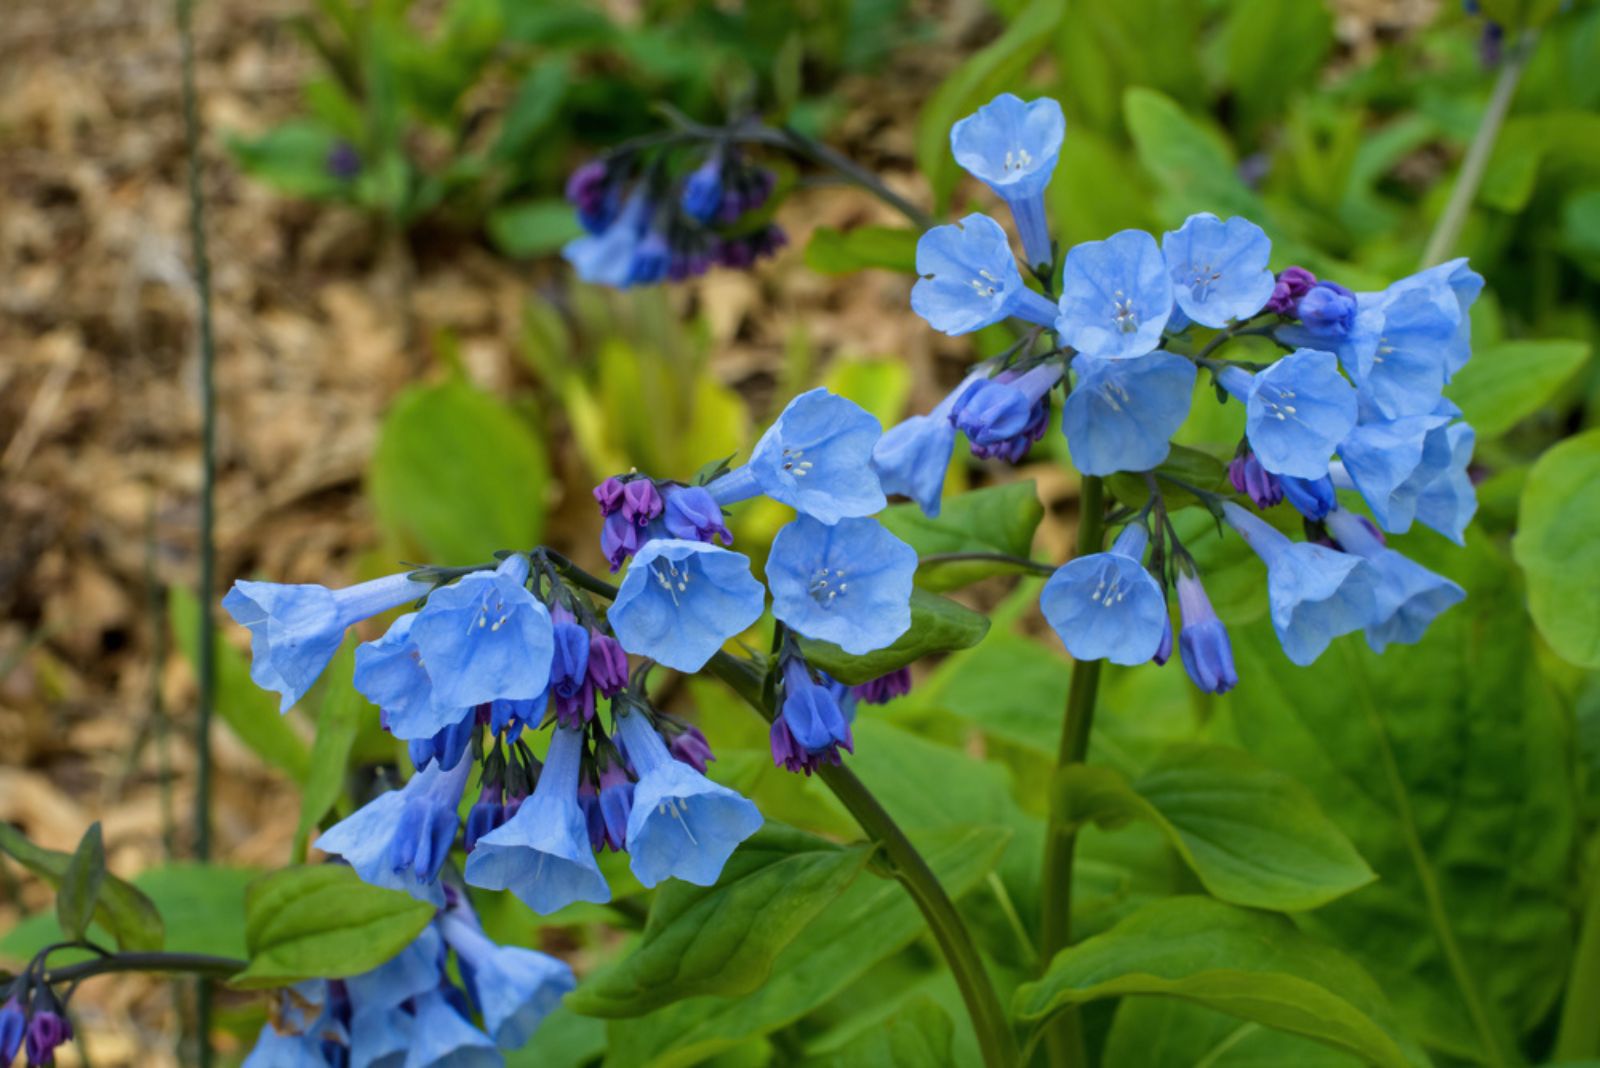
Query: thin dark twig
{"points": [[1035, 566]]}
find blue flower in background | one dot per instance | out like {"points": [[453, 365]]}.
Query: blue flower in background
{"points": [[680, 600], [1012, 147], [968, 279], [993, 411], [1315, 594], [542, 853], [1296, 412], [1116, 296], [1450, 500], [606, 258], [1203, 643], [1311, 497], [702, 190], [441, 1037], [401, 839], [486, 638], [812, 712], [816, 458], [912, 457], [849, 584], [1409, 597], [1390, 463], [1219, 268], [683, 825], [513, 988], [1122, 414], [389, 673], [1106, 606], [296, 629]]}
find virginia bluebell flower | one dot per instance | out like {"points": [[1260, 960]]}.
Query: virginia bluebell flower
{"points": [[1106, 606], [692, 514], [485, 638], [680, 600], [1311, 497], [688, 744], [967, 279], [884, 688], [608, 664], [1296, 411], [1122, 414], [441, 1037], [415, 970], [1218, 268], [389, 673], [614, 802], [1164, 650], [1450, 500], [1463, 285], [1203, 643], [702, 190], [1116, 296], [1328, 312], [47, 1031], [620, 538], [513, 988], [569, 670], [1292, 283], [812, 713], [296, 629], [606, 256], [446, 747], [1409, 597], [652, 257], [912, 457], [542, 853], [1012, 148], [13, 1025], [849, 583], [682, 825], [641, 501], [1248, 477], [608, 495], [1391, 462], [816, 458], [992, 411], [1315, 594], [401, 839], [1401, 355]]}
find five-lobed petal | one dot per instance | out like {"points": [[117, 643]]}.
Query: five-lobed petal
{"points": [[680, 600], [1116, 296], [849, 584]]}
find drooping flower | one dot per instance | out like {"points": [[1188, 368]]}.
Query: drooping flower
{"points": [[1311, 497], [884, 688], [620, 538], [912, 457], [1248, 477], [513, 988], [641, 501], [1296, 412], [296, 629], [1292, 283], [1218, 268], [1203, 643], [680, 600], [816, 458], [486, 638], [689, 745], [441, 1037], [813, 714], [542, 853], [13, 1026], [1122, 414], [702, 190], [1106, 606], [682, 825], [992, 411], [608, 495], [1401, 356], [1450, 500], [1164, 650], [1328, 312], [614, 802], [415, 970], [402, 838], [849, 583], [592, 189], [790, 755], [389, 673], [1116, 296], [692, 514], [1409, 597], [1391, 463], [1012, 147], [968, 279], [446, 747], [48, 1030], [608, 664], [1463, 285], [1315, 594], [569, 670], [606, 256]]}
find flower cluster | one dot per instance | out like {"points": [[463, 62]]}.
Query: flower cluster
{"points": [[1355, 403], [646, 224], [32, 1021], [411, 1010]]}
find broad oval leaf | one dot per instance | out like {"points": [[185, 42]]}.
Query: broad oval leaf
{"points": [[1558, 546], [120, 908], [1167, 1033], [81, 884], [1253, 965], [723, 939], [938, 625], [890, 248], [917, 1036], [1506, 383], [322, 921], [1253, 835], [996, 519]]}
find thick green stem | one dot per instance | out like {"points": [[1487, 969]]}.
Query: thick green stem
{"points": [[1578, 1038], [1448, 230], [1064, 1034], [191, 963], [989, 1019]]}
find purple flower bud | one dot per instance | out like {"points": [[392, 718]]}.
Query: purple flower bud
{"points": [[13, 1025], [1292, 284], [576, 709], [344, 162], [690, 746], [594, 821], [790, 755], [1254, 481], [616, 803], [641, 502], [620, 538], [569, 662], [609, 496], [484, 816], [694, 515], [46, 1031], [1164, 650], [1328, 309], [884, 688], [702, 192], [608, 664], [591, 190]]}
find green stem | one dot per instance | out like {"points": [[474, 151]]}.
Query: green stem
{"points": [[1578, 1038], [208, 478], [195, 963], [1064, 1034], [1448, 230], [989, 1020], [998, 558]]}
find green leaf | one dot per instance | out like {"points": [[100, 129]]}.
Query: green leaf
{"points": [[1192, 163], [322, 921], [80, 885], [119, 908], [1253, 835], [996, 519], [880, 386], [1503, 384], [525, 229], [458, 474], [1558, 546], [988, 71], [339, 716], [1517, 15], [724, 939], [889, 248], [938, 625], [1253, 965], [1187, 466], [293, 158], [248, 710], [1267, 45], [1166, 1033], [917, 1036], [873, 919], [536, 103]]}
